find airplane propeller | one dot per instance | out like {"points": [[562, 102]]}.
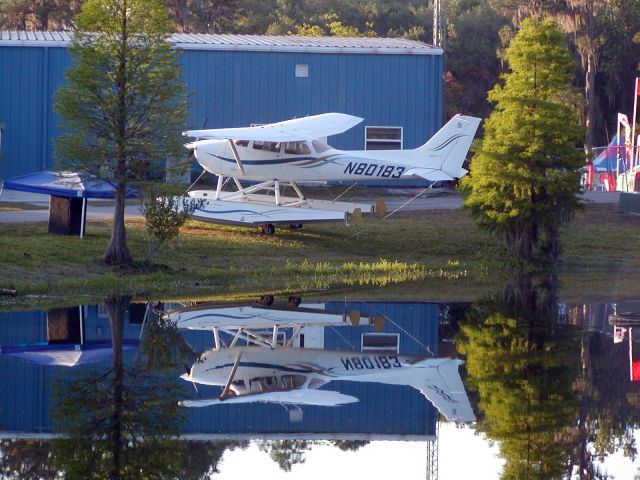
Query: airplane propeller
{"points": [[192, 150], [186, 377]]}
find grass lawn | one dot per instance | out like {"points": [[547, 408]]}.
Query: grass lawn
{"points": [[435, 255]]}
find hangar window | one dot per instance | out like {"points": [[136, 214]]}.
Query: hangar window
{"points": [[380, 342], [267, 146], [383, 138], [297, 148]]}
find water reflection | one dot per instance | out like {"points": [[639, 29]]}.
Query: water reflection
{"points": [[552, 394], [119, 413], [117, 422], [254, 364], [548, 384], [523, 366]]}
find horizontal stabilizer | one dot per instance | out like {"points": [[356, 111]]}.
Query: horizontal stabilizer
{"points": [[428, 174]]}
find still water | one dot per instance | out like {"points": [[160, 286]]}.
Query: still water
{"points": [[325, 388]]}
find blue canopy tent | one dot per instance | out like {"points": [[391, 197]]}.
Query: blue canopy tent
{"points": [[67, 343], [69, 189], [65, 354]]}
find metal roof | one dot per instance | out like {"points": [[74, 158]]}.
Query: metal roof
{"points": [[266, 43]]}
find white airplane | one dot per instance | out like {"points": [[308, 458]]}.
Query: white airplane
{"points": [[269, 370], [288, 152], [293, 376]]}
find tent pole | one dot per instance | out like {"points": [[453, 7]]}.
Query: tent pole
{"points": [[81, 307], [84, 213]]}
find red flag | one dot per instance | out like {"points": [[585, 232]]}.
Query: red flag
{"points": [[635, 371], [637, 87]]}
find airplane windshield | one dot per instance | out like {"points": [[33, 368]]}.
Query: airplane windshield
{"points": [[320, 147], [242, 143]]}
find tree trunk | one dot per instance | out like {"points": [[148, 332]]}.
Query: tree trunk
{"points": [[589, 92], [117, 252], [117, 307], [590, 75]]}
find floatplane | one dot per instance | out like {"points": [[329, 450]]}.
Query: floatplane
{"points": [[260, 365], [283, 154]]}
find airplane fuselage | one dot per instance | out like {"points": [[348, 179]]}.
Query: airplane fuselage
{"points": [[326, 365], [314, 162]]}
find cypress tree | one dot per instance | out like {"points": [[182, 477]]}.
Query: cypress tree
{"points": [[124, 103], [524, 179]]}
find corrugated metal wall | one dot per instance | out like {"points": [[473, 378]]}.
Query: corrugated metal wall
{"points": [[415, 322], [235, 89], [25, 388], [29, 76], [240, 88]]}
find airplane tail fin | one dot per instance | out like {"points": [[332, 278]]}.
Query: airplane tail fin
{"points": [[446, 392], [442, 156]]}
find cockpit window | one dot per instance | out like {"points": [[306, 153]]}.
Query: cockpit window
{"points": [[242, 143], [297, 148], [263, 384], [267, 146], [319, 146]]}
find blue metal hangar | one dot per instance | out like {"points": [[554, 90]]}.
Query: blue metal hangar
{"points": [[239, 80]]}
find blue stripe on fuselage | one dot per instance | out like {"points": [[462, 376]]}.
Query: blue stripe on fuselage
{"points": [[271, 366], [270, 161]]}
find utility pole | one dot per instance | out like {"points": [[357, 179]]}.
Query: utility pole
{"points": [[439, 38], [439, 23], [432, 455]]}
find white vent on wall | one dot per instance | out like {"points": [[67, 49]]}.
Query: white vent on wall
{"points": [[302, 70]]}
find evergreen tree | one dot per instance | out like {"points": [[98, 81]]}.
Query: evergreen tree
{"points": [[524, 176], [123, 105]]}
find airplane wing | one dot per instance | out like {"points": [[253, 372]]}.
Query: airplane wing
{"points": [[322, 398], [306, 128], [446, 392]]}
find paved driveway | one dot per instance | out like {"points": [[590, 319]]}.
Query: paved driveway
{"points": [[103, 209]]}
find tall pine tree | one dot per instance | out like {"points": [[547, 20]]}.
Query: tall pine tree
{"points": [[124, 104], [524, 177]]}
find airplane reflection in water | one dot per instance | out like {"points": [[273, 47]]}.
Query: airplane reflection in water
{"points": [[270, 368]]}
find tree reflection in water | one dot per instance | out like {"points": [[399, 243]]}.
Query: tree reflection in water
{"points": [[26, 460], [120, 422], [553, 403], [287, 453]]}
